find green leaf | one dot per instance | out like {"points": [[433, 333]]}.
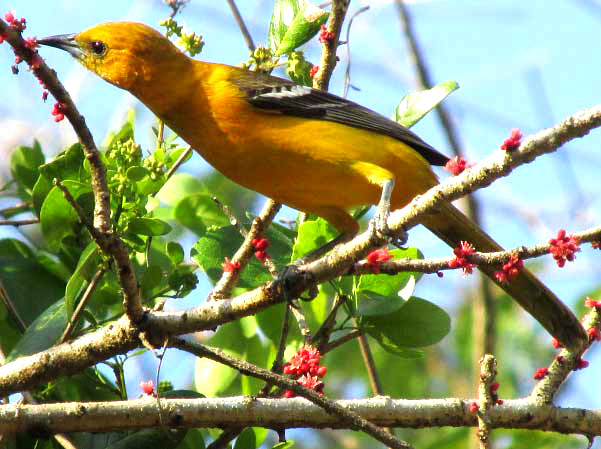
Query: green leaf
{"points": [[148, 226], [193, 440], [66, 165], [306, 24], [43, 333], [173, 156], [211, 378], [175, 252], [416, 324], [53, 265], [399, 351], [198, 211], [143, 439], [284, 13], [19, 268], [125, 133], [284, 445], [270, 322], [179, 186], [153, 276], [182, 394], [415, 105], [86, 267], [379, 294], [212, 248], [137, 173], [25, 163], [57, 216], [251, 438], [312, 234], [299, 69]]}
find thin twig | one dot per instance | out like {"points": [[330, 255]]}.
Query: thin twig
{"points": [[228, 280], [278, 363], [286, 383], [299, 315], [564, 363], [347, 71], [488, 371], [180, 160], [340, 341], [322, 336], [54, 86], [11, 309], [17, 208], [496, 258], [321, 80], [240, 21], [109, 242], [230, 433], [19, 222], [96, 235], [87, 295], [370, 365]]}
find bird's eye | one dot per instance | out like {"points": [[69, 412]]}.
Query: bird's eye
{"points": [[98, 48]]}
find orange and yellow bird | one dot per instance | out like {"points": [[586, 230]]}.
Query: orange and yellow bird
{"points": [[309, 149]]}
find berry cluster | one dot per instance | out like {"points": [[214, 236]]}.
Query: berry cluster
{"points": [[510, 269], [307, 370], [461, 258], [261, 246], [457, 165], [313, 71], [564, 247], [513, 141]]}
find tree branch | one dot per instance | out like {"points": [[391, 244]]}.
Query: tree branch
{"points": [[353, 419], [321, 80], [109, 242], [119, 337], [488, 371], [296, 412], [434, 265]]}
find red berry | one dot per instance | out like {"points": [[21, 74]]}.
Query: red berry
{"points": [[147, 387], [322, 371]]}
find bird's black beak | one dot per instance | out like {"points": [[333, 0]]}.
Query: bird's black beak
{"points": [[65, 42]]}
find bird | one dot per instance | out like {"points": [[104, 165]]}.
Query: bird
{"points": [[309, 149]]}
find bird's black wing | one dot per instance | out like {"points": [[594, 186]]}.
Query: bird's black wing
{"points": [[286, 97]]}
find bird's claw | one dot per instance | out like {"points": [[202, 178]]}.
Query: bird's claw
{"points": [[379, 228], [289, 281]]}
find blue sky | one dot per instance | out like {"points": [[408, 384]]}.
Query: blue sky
{"points": [[519, 64]]}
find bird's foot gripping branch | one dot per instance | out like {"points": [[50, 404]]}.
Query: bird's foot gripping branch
{"points": [[110, 220]]}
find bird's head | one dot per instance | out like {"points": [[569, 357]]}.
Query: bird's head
{"points": [[122, 53]]}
